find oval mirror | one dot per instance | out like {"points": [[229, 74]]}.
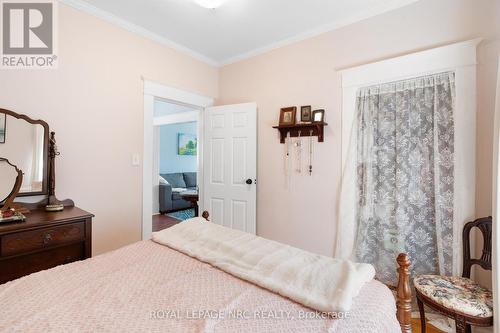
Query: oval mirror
{"points": [[8, 177], [24, 142]]}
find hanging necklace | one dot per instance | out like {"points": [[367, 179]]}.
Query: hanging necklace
{"points": [[298, 146], [310, 152], [287, 159]]}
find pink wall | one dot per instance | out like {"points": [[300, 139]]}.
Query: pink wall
{"points": [[305, 73], [94, 102]]}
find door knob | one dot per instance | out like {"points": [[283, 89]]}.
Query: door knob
{"points": [[249, 181]]}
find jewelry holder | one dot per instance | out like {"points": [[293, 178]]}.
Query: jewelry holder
{"points": [[307, 129]]}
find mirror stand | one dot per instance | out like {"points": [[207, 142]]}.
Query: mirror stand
{"points": [[53, 204]]}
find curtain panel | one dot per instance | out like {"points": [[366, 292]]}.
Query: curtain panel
{"points": [[402, 177]]}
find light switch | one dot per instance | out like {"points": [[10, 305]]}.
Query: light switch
{"points": [[136, 159]]}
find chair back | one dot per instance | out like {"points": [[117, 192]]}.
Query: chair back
{"points": [[484, 225]]}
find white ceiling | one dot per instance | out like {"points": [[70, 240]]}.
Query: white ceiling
{"points": [[239, 28]]}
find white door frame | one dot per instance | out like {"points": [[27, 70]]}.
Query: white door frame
{"points": [[152, 91]]}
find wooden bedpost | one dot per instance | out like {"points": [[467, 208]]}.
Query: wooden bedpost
{"points": [[205, 215], [403, 293]]}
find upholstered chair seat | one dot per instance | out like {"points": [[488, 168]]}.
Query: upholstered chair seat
{"points": [[460, 298], [456, 293]]}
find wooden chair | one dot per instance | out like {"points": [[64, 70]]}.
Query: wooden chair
{"points": [[460, 298]]}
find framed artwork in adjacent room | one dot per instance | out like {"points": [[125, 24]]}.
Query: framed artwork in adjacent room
{"points": [[187, 144]]}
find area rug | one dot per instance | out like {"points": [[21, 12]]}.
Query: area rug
{"points": [[182, 214]]}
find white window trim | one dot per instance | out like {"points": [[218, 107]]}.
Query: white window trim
{"points": [[496, 203], [458, 57], [440, 59]]}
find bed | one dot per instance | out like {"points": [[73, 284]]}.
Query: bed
{"points": [[147, 286]]}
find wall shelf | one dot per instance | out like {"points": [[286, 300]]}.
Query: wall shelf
{"points": [[305, 130]]}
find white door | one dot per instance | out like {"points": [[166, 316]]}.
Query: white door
{"points": [[230, 165]]}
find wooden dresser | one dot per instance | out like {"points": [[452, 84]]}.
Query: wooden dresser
{"points": [[43, 241]]}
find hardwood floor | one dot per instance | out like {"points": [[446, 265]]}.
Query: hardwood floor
{"points": [[161, 222], [416, 328]]}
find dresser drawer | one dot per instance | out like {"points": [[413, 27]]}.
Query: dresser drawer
{"points": [[27, 241], [17, 267]]}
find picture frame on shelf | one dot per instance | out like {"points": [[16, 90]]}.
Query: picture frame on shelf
{"points": [[318, 116], [288, 115], [306, 114]]}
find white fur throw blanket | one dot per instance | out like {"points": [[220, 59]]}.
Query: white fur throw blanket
{"points": [[321, 283]]}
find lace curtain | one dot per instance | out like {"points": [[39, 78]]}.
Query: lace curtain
{"points": [[405, 175]]}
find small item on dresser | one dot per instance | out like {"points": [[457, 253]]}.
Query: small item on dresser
{"points": [[7, 213], [288, 115], [11, 216], [318, 116], [54, 208]]}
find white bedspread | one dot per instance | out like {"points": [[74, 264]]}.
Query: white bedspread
{"points": [[321, 283]]}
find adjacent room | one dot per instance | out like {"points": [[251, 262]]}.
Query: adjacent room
{"points": [[176, 163], [249, 166]]}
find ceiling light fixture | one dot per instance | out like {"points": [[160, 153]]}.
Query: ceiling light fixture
{"points": [[210, 4]]}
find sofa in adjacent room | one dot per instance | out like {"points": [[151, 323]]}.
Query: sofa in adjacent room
{"points": [[171, 186]]}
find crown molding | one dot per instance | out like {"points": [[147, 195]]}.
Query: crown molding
{"points": [[134, 28], [84, 6], [368, 13]]}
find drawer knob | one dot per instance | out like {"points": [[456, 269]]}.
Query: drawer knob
{"points": [[47, 239]]}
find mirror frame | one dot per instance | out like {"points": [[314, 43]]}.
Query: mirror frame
{"points": [[8, 203], [45, 126]]}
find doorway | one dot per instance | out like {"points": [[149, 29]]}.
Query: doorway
{"points": [[175, 163], [229, 190], [172, 106]]}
